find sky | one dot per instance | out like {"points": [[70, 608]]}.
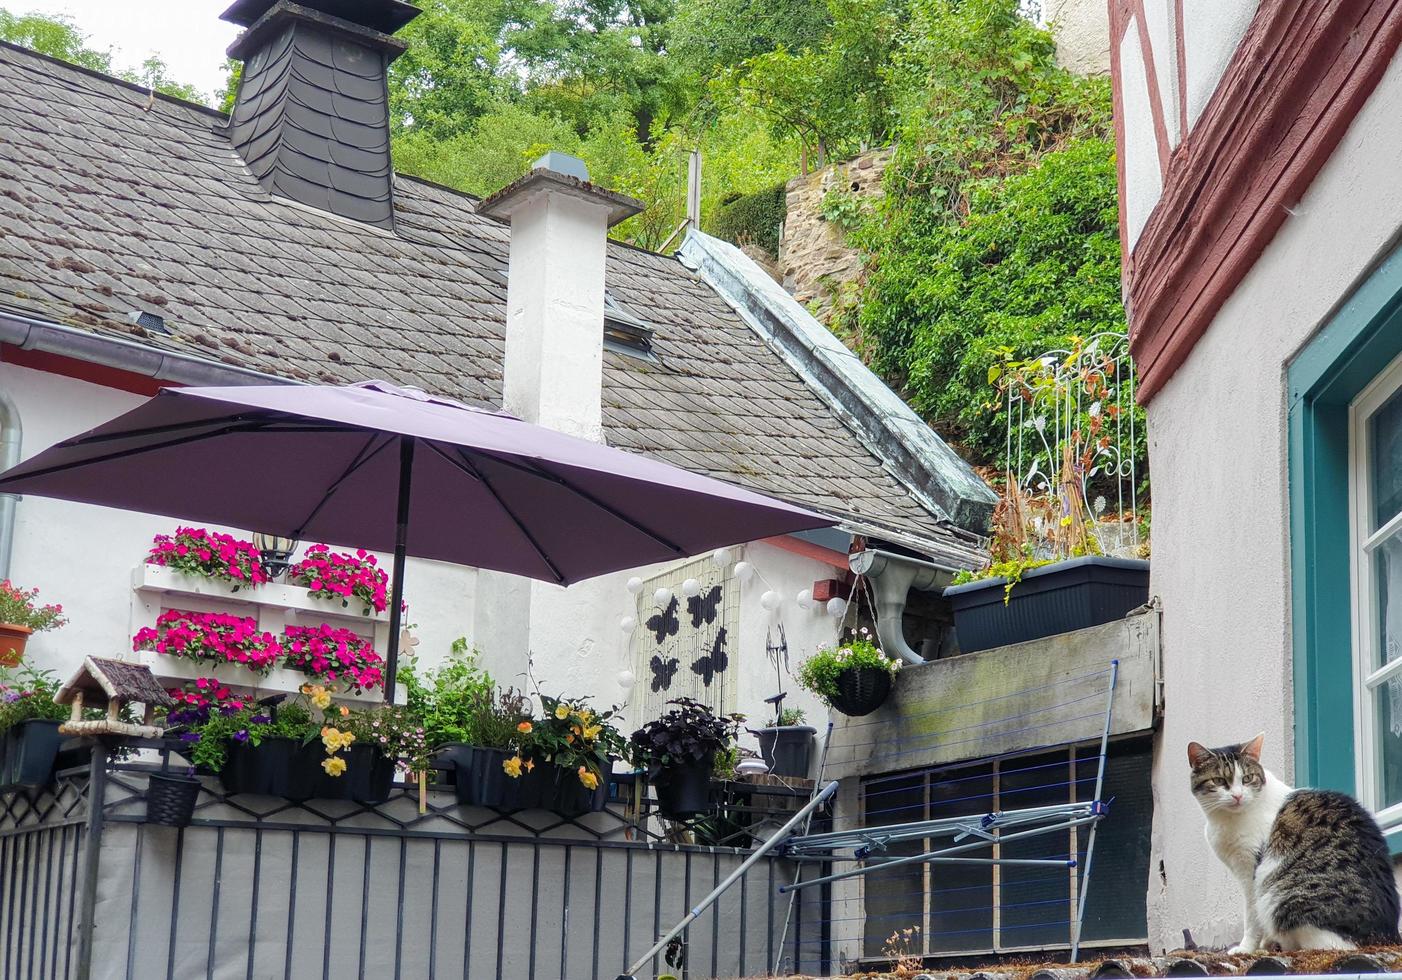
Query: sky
{"points": [[187, 34]]}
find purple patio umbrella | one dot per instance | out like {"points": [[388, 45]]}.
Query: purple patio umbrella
{"points": [[394, 469]]}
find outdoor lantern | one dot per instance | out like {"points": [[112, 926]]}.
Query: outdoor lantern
{"points": [[662, 596], [627, 623], [275, 551], [720, 557], [837, 607], [691, 587]]}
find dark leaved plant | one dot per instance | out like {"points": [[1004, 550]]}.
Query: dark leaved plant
{"points": [[688, 735]]}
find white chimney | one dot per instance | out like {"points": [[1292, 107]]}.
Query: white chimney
{"points": [[553, 371]]}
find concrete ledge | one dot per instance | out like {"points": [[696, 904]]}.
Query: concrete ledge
{"points": [[1009, 699]]}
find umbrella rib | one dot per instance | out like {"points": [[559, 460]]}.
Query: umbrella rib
{"points": [[466, 466], [140, 450], [545, 474], [151, 430], [361, 458]]}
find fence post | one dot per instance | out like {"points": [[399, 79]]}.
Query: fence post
{"points": [[92, 853]]}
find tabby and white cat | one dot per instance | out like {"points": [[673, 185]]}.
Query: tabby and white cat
{"points": [[1313, 866]]}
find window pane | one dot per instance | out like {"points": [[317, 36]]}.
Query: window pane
{"points": [[895, 899], [1387, 593], [1115, 908], [1036, 901], [961, 895], [1388, 704], [1385, 459]]}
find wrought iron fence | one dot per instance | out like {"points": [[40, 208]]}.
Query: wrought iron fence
{"points": [[258, 887]]}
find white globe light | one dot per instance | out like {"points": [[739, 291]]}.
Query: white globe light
{"points": [[720, 557], [770, 600], [635, 585], [625, 679], [691, 587], [662, 596], [744, 571], [627, 623], [837, 607], [805, 599]]}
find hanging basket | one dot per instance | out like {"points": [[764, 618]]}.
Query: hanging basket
{"points": [[861, 690], [13, 637], [170, 800]]}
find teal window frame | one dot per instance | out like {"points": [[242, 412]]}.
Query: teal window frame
{"points": [[1357, 343]]}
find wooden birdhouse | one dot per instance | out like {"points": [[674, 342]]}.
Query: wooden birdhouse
{"points": [[112, 684]]}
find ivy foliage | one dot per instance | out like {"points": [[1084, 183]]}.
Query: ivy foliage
{"points": [[753, 218], [998, 233]]}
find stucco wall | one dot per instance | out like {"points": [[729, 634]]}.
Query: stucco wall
{"points": [[82, 556], [1217, 443], [1082, 30]]}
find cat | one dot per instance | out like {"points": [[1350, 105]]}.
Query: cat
{"points": [[1314, 868]]}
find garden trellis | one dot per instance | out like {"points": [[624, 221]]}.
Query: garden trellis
{"points": [[917, 825], [1071, 418]]}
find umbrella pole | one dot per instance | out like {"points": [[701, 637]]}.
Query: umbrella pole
{"points": [[401, 543]]}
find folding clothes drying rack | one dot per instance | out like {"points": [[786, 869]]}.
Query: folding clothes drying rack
{"points": [[964, 835]]}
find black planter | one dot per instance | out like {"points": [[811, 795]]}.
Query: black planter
{"points": [[368, 776], [787, 749], [27, 753], [684, 791], [267, 769], [861, 690], [1069, 595], [567, 796], [170, 799]]}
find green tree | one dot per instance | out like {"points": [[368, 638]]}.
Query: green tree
{"points": [[707, 35], [447, 78]]}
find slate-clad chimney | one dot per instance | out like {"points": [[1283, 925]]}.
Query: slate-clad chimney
{"points": [[311, 118]]}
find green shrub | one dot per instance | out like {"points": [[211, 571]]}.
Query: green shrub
{"points": [[754, 218]]}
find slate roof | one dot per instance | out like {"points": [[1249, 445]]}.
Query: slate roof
{"points": [[112, 201]]}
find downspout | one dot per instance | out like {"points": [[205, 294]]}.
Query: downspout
{"points": [[10, 433], [892, 577]]}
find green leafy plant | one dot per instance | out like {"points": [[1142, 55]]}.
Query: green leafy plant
{"points": [[687, 735], [753, 218], [27, 694], [792, 716], [844, 209], [396, 731], [209, 739], [819, 673], [458, 700]]}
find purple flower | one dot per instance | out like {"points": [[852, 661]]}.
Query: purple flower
{"points": [[190, 737], [261, 719], [241, 735]]}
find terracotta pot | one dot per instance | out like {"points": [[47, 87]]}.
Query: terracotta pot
{"points": [[13, 637]]}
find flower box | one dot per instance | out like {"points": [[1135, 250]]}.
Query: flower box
{"points": [[1069, 595], [284, 767], [27, 753], [480, 780], [267, 769]]}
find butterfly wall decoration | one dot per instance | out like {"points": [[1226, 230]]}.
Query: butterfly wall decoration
{"points": [[713, 663], [703, 607], [663, 670], [665, 623]]}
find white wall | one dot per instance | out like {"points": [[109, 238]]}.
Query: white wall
{"points": [[1082, 29], [1217, 443], [82, 556], [1143, 175]]}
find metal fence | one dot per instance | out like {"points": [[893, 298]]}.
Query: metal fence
{"points": [[265, 888]]}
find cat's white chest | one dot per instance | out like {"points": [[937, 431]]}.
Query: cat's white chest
{"points": [[1237, 841]]}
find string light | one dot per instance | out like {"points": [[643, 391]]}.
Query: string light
{"points": [[691, 587], [720, 557], [770, 600], [805, 599], [627, 624], [837, 607], [662, 596], [635, 585], [744, 571]]}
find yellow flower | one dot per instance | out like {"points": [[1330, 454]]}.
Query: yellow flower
{"points": [[592, 732], [562, 712], [333, 766], [512, 767], [321, 698], [335, 740], [524, 727], [586, 777]]}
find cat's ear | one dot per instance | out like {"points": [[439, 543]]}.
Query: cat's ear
{"points": [[1252, 749], [1197, 753]]}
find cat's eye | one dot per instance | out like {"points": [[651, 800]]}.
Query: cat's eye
{"points": [[1252, 780], [1214, 783]]}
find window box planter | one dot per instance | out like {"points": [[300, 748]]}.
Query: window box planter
{"points": [[1069, 595], [266, 769], [787, 749], [861, 690], [13, 638], [566, 795], [684, 791], [480, 780], [27, 753], [369, 775]]}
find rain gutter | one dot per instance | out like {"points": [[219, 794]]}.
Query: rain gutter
{"points": [[30, 333], [892, 577]]}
